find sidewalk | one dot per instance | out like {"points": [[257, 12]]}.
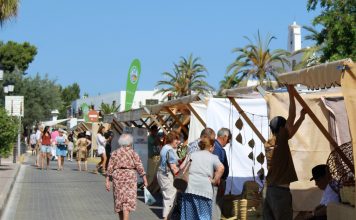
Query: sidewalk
{"points": [[8, 173]]}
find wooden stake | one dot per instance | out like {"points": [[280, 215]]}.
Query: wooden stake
{"points": [[192, 110]]}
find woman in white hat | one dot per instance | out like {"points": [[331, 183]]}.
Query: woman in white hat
{"points": [[61, 151]]}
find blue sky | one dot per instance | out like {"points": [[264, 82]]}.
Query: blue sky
{"points": [[93, 42]]}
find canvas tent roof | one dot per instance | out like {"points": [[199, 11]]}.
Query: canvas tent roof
{"points": [[144, 112], [320, 76]]}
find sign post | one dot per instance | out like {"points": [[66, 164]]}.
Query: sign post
{"points": [[14, 106]]}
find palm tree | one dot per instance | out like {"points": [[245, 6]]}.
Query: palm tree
{"points": [[255, 61], [188, 76], [107, 109], [311, 55], [8, 9]]}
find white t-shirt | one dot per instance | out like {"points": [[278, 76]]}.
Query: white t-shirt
{"points": [[33, 139], [329, 195], [38, 135]]}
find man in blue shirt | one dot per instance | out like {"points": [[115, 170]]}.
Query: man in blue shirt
{"points": [[223, 138]]}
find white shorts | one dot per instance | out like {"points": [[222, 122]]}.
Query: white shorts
{"points": [[101, 150]]}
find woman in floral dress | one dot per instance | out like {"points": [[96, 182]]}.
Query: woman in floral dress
{"points": [[123, 165]]}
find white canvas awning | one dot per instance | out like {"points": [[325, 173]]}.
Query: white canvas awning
{"points": [[315, 77], [52, 123]]}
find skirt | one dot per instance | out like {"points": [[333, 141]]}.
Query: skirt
{"points": [[195, 207]]}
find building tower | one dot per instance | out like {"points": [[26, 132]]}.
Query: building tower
{"points": [[294, 38]]}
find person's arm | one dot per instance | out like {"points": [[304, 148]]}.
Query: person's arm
{"points": [[290, 125], [217, 174], [291, 112], [297, 124]]}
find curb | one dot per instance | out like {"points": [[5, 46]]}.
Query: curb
{"points": [[7, 189]]}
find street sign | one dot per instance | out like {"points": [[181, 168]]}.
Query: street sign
{"points": [[93, 116], [14, 105]]}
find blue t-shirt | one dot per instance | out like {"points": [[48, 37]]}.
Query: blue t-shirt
{"points": [[220, 152], [60, 141], [173, 158]]}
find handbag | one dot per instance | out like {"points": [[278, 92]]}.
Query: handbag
{"points": [[181, 178]]}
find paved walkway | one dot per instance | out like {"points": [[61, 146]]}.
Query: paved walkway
{"points": [[8, 172], [68, 194]]}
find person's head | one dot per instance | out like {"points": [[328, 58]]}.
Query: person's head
{"points": [[207, 143], [276, 123], [224, 136], [321, 176], [154, 130], [109, 134], [60, 132], [172, 138], [101, 129], [81, 135], [126, 140], [46, 130], [41, 127], [207, 132]]}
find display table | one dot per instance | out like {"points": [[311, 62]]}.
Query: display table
{"points": [[340, 212]]}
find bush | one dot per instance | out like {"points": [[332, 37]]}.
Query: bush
{"points": [[8, 133]]}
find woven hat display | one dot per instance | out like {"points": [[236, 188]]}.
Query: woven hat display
{"points": [[338, 169]]}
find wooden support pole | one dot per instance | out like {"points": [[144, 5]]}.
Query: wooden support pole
{"points": [[192, 110], [181, 125], [144, 123], [159, 124], [322, 129], [247, 119]]}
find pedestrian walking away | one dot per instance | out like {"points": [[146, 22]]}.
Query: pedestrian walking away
{"points": [[123, 166]]}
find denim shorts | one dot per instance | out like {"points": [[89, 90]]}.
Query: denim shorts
{"points": [[45, 149], [61, 151]]}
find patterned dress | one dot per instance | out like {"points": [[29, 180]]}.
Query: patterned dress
{"points": [[82, 153], [123, 165]]}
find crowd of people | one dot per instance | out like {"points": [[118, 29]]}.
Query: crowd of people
{"points": [[207, 163]]}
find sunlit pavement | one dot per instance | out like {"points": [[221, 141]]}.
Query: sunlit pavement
{"points": [[68, 194]]}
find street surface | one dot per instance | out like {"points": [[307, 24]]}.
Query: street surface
{"points": [[68, 194]]}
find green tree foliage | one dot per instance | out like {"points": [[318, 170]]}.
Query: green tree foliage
{"points": [[107, 109], [41, 96], [255, 61], [8, 133], [14, 55], [8, 10], [188, 76], [311, 56], [68, 95], [338, 33]]}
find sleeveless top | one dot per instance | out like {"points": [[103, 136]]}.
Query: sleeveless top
{"points": [[281, 170], [46, 139]]}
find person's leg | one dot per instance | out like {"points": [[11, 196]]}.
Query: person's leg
{"points": [[48, 159], [278, 204], [85, 165], [43, 158], [126, 214], [103, 165], [59, 161], [121, 215], [79, 167], [62, 159]]}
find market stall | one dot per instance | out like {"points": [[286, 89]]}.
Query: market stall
{"points": [[339, 73]]}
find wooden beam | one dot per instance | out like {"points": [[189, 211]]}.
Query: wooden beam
{"points": [[118, 125], [181, 125], [192, 110], [322, 129], [247, 119], [144, 123], [159, 124]]}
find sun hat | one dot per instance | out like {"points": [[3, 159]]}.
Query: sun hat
{"points": [[319, 171]]}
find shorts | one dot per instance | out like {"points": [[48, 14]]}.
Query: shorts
{"points": [[45, 149], [61, 151], [101, 150], [33, 146]]}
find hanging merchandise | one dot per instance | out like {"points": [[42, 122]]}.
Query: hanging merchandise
{"points": [[239, 124]]}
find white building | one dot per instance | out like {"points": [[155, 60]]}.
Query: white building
{"points": [[141, 98]]}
